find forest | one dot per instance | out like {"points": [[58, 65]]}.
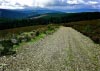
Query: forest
{"points": [[56, 18]]}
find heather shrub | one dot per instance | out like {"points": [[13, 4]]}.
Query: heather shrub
{"points": [[7, 47], [37, 33]]}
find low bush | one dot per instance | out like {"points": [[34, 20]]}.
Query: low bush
{"points": [[32, 34], [37, 33], [7, 47], [28, 38], [50, 27]]}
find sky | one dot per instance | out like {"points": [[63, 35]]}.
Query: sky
{"points": [[51, 4]]}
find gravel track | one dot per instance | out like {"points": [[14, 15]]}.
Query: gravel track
{"points": [[65, 50]]}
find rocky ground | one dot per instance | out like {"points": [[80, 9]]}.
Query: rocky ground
{"points": [[65, 50]]}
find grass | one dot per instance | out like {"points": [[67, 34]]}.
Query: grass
{"points": [[38, 38]]}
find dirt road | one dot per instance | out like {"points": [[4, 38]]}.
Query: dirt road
{"points": [[65, 50]]}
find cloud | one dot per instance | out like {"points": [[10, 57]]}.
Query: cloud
{"points": [[92, 2], [14, 4], [67, 4], [42, 3], [75, 1]]}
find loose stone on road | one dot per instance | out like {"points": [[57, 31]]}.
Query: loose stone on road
{"points": [[65, 50]]}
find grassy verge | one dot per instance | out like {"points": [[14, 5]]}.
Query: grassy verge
{"points": [[9, 46]]}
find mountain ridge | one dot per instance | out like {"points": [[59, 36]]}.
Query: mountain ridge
{"points": [[34, 12], [24, 13]]}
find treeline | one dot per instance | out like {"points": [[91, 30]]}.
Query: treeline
{"points": [[56, 18]]}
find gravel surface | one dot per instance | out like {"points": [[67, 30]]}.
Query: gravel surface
{"points": [[65, 50]]}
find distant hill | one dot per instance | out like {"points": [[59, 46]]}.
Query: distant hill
{"points": [[47, 18], [68, 17], [81, 10], [15, 14], [37, 11], [23, 13]]}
